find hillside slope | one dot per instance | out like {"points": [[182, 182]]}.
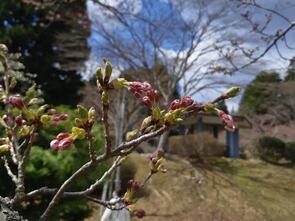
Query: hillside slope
{"points": [[229, 190]]}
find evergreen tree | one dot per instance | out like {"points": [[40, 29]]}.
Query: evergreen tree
{"points": [[291, 71], [26, 30]]}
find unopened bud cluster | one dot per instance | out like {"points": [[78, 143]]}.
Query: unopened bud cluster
{"points": [[145, 92], [129, 199], [83, 124], [227, 121], [62, 141], [156, 161], [186, 103], [178, 108]]}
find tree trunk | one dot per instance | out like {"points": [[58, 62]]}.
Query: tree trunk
{"points": [[7, 214]]}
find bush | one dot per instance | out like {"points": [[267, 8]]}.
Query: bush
{"points": [[271, 149], [267, 77], [197, 146], [290, 151]]}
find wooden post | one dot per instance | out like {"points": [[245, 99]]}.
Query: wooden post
{"points": [[232, 144], [215, 131], [199, 126]]}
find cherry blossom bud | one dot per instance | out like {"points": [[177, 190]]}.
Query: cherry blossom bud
{"points": [[131, 135], [78, 133], [156, 161], [186, 101], [4, 148], [45, 119], [99, 74], [232, 92], [140, 213], [51, 111], [63, 116], [82, 112], [25, 131], [91, 115], [118, 83], [227, 120], [147, 101], [62, 135], [16, 101], [54, 144], [195, 107], [146, 85], [146, 123], [65, 143], [133, 185], [138, 95], [175, 104], [154, 95], [108, 71], [19, 120]]}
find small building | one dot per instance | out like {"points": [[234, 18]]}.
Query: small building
{"points": [[207, 122]]}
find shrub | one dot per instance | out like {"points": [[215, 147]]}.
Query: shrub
{"points": [[199, 146], [290, 151], [267, 77], [271, 149]]}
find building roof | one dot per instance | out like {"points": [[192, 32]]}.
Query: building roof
{"points": [[212, 119]]}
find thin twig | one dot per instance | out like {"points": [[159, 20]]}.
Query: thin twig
{"points": [[91, 151], [9, 172], [63, 187], [105, 120], [108, 204]]}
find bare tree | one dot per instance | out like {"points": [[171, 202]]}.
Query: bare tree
{"points": [[198, 41]]}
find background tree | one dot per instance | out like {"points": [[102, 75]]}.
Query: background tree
{"points": [[53, 35], [197, 41], [291, 71]]}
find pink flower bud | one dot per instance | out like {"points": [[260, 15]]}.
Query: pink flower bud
{"points": [[147, 101], [175, 104], [157, 155], [65, 143], [63, 116], [51, 111], [140, 213], [54, 144], [227, 120], [136, 94], [61, 136], [16, 101], [19, 120], [153, 95], [146, 86], [133, 185], [186, 101], [194, 107]]}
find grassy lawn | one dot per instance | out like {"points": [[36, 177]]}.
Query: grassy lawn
{"points": [[226, 190]]}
